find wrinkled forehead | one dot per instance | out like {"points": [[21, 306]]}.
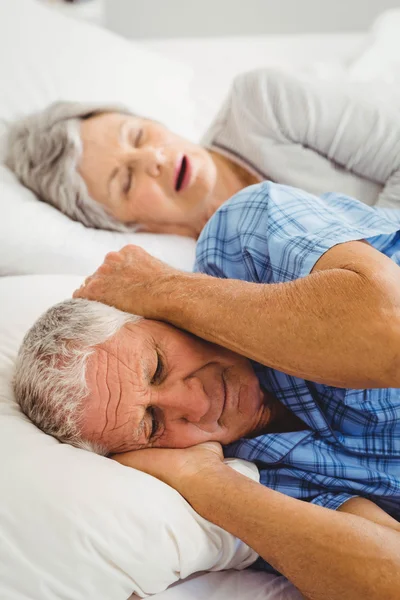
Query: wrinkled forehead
{"points": [[125, 352], [117, 372]]}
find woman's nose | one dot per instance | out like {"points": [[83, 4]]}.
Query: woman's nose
{"points": [[150, 158]]}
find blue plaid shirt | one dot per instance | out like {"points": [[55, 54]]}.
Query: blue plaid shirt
{"points": [[350, 445]]}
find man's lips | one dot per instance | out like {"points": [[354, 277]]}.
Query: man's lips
{"points": [[182, 173]]}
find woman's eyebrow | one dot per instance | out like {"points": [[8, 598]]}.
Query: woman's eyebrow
{"points": [[123, 131]]}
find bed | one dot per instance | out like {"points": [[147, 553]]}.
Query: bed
{"points": [[214, 62], [191, 77]]}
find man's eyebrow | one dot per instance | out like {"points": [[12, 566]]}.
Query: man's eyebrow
{"points": [[147, 373]]}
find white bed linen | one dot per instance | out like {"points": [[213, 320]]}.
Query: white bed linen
{"points": [[74, 525], [183, 83], [231, 585], [380, 61], [47, 57], [216, 61]]}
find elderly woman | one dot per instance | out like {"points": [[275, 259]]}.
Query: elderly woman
{"points": [[110, 169]]}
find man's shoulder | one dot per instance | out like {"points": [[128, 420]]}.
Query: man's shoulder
{"points": [[253, 207], [250, 200], [239, 227], [253, 196], [232, 219]]}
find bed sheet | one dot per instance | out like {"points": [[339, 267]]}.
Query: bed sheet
{"points": [[231, 585], [216, 61]]}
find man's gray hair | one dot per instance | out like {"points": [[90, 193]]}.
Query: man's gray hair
{"points": [[50, 374], [44, 149]]}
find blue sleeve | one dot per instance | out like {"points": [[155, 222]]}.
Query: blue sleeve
{"points": [[331, 500], [270, 233]]}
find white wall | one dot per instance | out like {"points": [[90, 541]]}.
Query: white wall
{"points": [[184, 18]]}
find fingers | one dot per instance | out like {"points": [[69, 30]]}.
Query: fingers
{"points": [[103, 271], [112, 257], [84, 290]]}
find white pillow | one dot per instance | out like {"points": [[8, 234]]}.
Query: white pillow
{"points": [[233, 585], [36, 238], [380, 59], [45, 57], [77, 525]]}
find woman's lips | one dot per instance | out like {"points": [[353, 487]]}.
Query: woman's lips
{"points": [[183, 173]]}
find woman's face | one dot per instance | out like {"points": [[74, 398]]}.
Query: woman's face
{"points": [[143, 173]]}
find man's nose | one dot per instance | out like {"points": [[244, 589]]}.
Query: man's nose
{"points": [[188, 401]]}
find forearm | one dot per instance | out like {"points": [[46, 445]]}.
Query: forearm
{"points": [[325, 554], [339, 326], [326, 327]]}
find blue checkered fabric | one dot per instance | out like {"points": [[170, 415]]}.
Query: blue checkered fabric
{"points": [[350, 445]]}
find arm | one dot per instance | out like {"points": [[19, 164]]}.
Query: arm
{"points": [[326, 554], [304, 118], [340, 325], [323, 553]]}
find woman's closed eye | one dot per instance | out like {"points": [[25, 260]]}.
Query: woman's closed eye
{"points": [[137, 138], [127, 184], [127, 180]]}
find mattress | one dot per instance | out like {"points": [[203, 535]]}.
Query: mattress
{"points": [[215, 61]]}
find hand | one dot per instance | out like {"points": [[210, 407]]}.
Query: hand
{"points": [[175, 467], [130, 280]]}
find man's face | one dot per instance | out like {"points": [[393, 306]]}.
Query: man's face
{"points": [[153, 385]]}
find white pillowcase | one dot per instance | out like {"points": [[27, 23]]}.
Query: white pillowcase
{"points": [[77, 525], [36, 238], [47, 57], [233, 585], [380, 59]]}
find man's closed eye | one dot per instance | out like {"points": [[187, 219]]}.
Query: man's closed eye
{"points": [[159, 373], [155, 423]]}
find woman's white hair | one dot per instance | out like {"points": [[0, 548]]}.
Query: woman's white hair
{"points": [[44, 149], [50, 374]]}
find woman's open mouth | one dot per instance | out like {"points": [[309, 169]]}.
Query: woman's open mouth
{"points": [[182, 174]]}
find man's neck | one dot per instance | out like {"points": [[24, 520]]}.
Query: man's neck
{"points": [[280, 419]]}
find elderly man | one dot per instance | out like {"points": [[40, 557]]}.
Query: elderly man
{"points": [[306, 288]]}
